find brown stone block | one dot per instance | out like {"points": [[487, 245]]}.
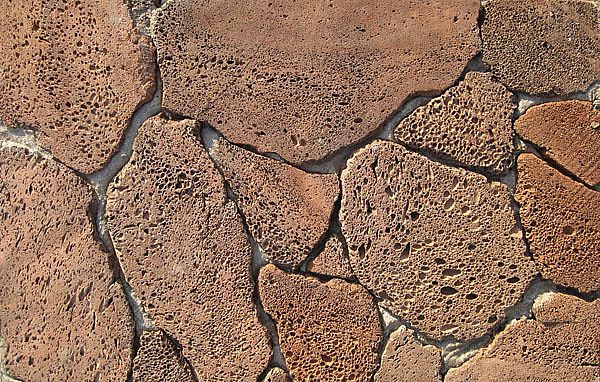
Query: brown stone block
{"points": [[332, 261]]}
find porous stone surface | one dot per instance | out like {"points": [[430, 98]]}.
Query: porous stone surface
{"points": [[158, 360], [439, 245], [287, 209], [567, 132], [62, 316], [277, 375], [470, 124], [185, 252], [406, 360], [560, 344], [74, 72], [542, 47], [327, 331], [332, 261], [561, 218], [305, 79]]}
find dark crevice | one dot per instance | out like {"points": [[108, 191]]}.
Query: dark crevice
{"points": [[179, 351], [528, 100]]}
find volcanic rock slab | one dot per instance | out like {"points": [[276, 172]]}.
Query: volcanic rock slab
{"points": [[157, 360], [62, 316], [439, 245], [541, 47], [332, 261], [287, 209], [327, 331], [567, 132], [562, 223], [277, 375], [305, 79], [74, 72], [185, 252], [470, 123]]}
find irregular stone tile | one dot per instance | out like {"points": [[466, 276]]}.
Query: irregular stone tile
{"points": [[562, 222], [406, 360], [277, 375], [540, 47], [439, 245], [567, 132], [62, 315], [327, 331], [74, 72], [305, 79], [332, 261], [157, 360], [470, 123], [185, 252], [560, 344], [287, 209]]}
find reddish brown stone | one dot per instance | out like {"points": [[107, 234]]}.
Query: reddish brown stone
{"points": [[277, 375], [332, 261], [62, 315], [470, 123], [74, 72], [327, 331], [305, 79], [439, 245], [185, 252], [562, 222], [158, 360], [568, 132]]}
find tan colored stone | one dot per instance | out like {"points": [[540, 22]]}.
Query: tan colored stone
{"points": [[305, 79], [567, 132], [562, 223], [158, 360], [470, 123], [277, 375], [185, 252], [332, 261], [74, 72], [327, 331], [439, 245], [287, 209], [540, 47], [62, 314]]}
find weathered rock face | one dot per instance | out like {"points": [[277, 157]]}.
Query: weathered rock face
{"points": [[157, 360], [537, 47], [332, 261], [561, 344], [305, 79], [562, 222], [568, 132], [438, 244], [74, 73], [327, 331], [470, 124], [406, 360], [287, 209], [185, 252], [62, 315], [277, 375]]}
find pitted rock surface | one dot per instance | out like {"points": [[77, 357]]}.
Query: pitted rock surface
{"points": [[74, 72], [62, 316], [327, 331], [567, 132], [287, 209], [560, 344], [305, 79], [542, 47], [470, 123], [332, 261], [158, 360], [185, 252], [561, 218], [439, 245], [277, 375]]}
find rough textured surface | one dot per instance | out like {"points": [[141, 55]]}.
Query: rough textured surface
{"points": [[287, 209], [74, 72], [470, 123], [562, 223], [406, 360], [61, 314], [567, 132], [547, 46], [439, 245], [185, 252], [327, 331], [277, 375], [332, 261], [157, 360], [141, 10], [304, 79], [561, 344]]}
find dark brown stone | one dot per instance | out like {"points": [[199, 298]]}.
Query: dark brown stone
{"points": [[332, 261], [158, 360]]}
